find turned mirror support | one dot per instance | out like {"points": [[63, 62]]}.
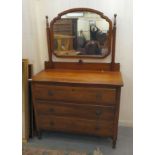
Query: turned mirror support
{"points": [[48, 39], [113, 43]]}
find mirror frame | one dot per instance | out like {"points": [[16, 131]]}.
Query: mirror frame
{"points": [[50, 34]]}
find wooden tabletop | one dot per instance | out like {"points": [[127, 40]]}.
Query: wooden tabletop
{"points": [[80, 76]]}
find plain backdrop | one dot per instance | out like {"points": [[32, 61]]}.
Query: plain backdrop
{"points": [[35, 45]]}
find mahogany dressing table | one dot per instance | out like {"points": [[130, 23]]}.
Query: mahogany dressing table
{"points": [[79, 97]]}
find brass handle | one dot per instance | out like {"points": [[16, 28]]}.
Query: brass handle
{"points": [[51, 110], [51, 123], [50, 93], [97, 128], [98, 97], [98, 112]]}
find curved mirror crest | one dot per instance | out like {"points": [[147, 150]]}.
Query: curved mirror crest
{"points": [[81, 34]]}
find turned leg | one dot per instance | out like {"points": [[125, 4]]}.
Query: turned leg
{"points": [[39, 135], [114, 143]]}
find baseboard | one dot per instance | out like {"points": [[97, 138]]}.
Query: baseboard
{"points": [[125, 123]]}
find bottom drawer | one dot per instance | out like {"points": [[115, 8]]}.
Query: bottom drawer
{"points": [[100, 128]]}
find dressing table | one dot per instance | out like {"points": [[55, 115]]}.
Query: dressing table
{"points": [[79, 97]]}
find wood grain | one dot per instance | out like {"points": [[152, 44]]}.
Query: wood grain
{"points": [[80, 77], [84, 111], [73, 125], [101, 96], [82, 66]]}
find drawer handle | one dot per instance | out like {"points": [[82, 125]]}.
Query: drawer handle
{"points": [[97, 128], [51, 110], [50, 93], [98, 112], [98, 97], [51, 123]]}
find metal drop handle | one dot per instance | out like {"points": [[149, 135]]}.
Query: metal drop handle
{"points": [[97, 127], [98, 112], [51, 110], [51, 123], [50, 93]]}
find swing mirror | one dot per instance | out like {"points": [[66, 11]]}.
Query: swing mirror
{"points": [[81, 34]]}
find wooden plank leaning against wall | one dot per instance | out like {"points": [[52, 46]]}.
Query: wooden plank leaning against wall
{"points": [[27, 110], [25, 117]]}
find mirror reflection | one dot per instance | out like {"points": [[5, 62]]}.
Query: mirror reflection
{"points": [[81, 34]]}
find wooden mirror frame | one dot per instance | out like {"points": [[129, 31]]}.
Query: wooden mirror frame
{"points": [[112, 37]]}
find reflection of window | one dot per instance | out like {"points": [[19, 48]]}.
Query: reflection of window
{"points": [[75, 14], [92, 22]]}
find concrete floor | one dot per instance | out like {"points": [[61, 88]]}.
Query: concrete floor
{"points": [[70, 142]]}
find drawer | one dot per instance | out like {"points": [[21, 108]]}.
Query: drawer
{"points": [[75, 94], [84, 111], [62, 28], [64, 124], [64, 21]]}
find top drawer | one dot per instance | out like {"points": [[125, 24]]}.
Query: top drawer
{"points": [[74, 94]]}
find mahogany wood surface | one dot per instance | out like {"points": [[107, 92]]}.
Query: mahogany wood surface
{"points": [[48, 39], [83, 66], [118, 95], [69, 124], [76, 110], [77, 101], [113, 44], [80, 76], [80, 94]]}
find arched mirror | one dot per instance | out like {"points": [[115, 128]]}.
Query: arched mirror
{"points": [[80, 33]]}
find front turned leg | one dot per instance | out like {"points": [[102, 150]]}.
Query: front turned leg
{"points": [[114, 143], [39, 135]]}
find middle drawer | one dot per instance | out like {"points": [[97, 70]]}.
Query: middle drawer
{"points": [[75, 110]]}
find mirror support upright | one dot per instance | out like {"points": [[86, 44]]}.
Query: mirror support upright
{"points": [[113, 43], [48, 39]]}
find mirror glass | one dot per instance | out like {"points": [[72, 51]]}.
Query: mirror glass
{"points": [[81, 34]]}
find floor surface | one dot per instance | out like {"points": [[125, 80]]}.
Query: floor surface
{"points": [[87, 143]]}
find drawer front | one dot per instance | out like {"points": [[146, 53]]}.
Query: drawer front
{"points": [[64, 21], [75, 110], [101, 128], [75, 94], [59, 28]]}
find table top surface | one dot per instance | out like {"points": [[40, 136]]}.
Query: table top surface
{"points": [[111, 78]]}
